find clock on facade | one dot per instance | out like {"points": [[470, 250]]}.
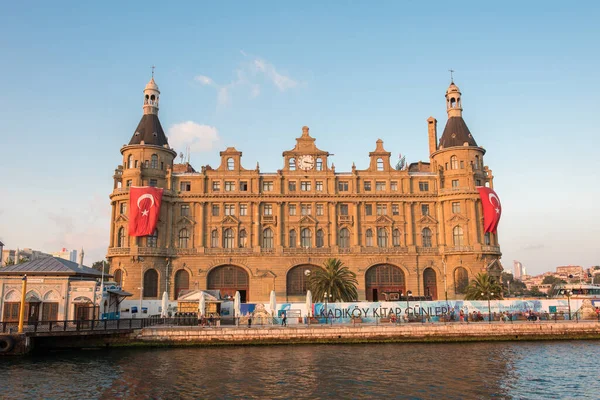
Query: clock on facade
{"points": [[306, 162]]}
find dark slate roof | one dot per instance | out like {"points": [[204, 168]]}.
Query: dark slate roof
{"points": [[150, 131], [456, 133], [50, 266]]}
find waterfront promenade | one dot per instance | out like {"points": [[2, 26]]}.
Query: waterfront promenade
{"points": [[364, 333]]}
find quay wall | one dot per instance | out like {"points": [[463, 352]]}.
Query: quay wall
{"points": [[179, 336]]}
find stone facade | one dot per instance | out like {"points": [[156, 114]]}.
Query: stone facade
{"points": [[417, 228]]}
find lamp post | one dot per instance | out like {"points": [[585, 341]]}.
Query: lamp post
{"points": [[408, 296], [568, 293], [489, 296], [326, 295]]}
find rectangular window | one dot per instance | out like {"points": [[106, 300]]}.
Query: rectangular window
{"points": [[455, 207], [153, 182], [478, 182], [229, 209], [292, 186], [394, 186], [462, 164], [185, 186], [215, 210], [455, 184], [185, 210], [123, 208], [267, 186], [268, 209], [243, 209], [305, 186], [343, 186], [368, 209], [319, 186], [379, 186], [395, 209], [229, 186], [367, 186], [306, 209], [128, 183], [292, 209], [423, 186], [136, 163], [381, 209], [216, 186], [243, 186], [425, 209], [343, 209], [319, 209]]}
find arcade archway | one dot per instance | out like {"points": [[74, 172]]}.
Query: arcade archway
{"points": [[229, 279], [430, 283], [385, 282]]}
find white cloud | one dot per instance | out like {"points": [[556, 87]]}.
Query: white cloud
{"points": [[204, 80], [198, 137], [282, 82]]}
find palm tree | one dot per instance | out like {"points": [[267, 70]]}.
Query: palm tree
{"points": [[483, 287], [335, 281]]}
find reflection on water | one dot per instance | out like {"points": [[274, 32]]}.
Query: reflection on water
{"points": [[414, 371]]}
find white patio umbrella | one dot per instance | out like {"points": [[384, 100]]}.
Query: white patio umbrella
{"points": [[273, 303], [201, 304], [308, 304], [165, 305], [236, 305]]}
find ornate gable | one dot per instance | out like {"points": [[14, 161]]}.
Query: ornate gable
{"points": [[384, 220], [427, 220], [121, 218], [456, 218], [186, 221], [307, 220], [230, 220]]}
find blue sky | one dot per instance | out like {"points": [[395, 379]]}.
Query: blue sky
{"points": [[251, 75]]}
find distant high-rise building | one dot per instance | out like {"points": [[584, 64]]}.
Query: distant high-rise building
{"points": [[518, 269], [66, 254]]}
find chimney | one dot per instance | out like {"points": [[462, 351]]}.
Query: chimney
{"points": [[432, 132]]}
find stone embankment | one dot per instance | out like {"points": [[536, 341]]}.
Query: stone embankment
{"points": [[180, 336]]}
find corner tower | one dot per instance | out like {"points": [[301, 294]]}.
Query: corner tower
{"points": [[147, 160]]}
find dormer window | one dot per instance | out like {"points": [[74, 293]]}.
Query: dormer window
{"points": [[292, 164], [230, 164], [319, 164], [380, 164]]}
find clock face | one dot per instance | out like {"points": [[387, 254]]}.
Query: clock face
{"points": [[306, 162]]}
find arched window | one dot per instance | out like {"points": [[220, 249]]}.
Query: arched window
{"points": [[384, 280], [426, 237], [292, 164], [121, 238], [229, 279], [182, 282], [396, 237], [320, 238], [452, 102], [154, 161], [214, 238], [228, 238], [487, 239], [184, 237], [382, 237], [453, 162], [292, 239], [344, 240], [152, 240], [130, 161], [306, 237], [369, 238], [267, 238], [243, 238], [476, 166], [380, 164], [297, 279], [150, 283], [461, 280], [118, 277], [457, 236], [230, 164], [319, 164]]}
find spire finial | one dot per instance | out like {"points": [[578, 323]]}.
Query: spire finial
{"points": [[451, 75], [153, 71]]}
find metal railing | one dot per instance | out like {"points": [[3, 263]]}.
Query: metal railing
{"points": [[76, 325]]}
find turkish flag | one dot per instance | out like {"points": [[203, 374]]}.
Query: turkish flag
{"points": [[491, 208], [144, 208]]}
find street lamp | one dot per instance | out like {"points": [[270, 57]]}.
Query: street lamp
{"points": [[489, 296], [568, 293], [326, 299], [408, 296]]}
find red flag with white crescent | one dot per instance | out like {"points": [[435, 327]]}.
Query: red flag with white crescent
{"points": [[492, 210], [144, 208]]}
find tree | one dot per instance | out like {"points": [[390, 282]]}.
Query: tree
{"points": [[483, 287], [552, 280], [99, 264], [336, 280]]}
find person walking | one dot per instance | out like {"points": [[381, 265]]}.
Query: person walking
{"points": [[284, 319]]}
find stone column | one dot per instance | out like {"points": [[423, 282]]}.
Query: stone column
{"points": [[410, 238], [200, 223], [333, 220], [112, 225], [255, 240], [355, 238]]}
